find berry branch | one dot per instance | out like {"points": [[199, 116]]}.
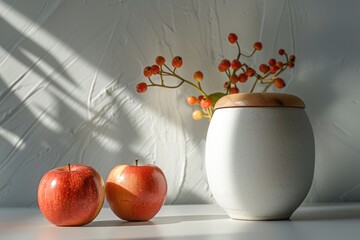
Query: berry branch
{"points": [[237, 72]]}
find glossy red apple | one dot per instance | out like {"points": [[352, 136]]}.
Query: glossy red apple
{"points": [[136, 193], [71, 195]]}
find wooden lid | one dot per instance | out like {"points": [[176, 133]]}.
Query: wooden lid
{"points": [[259, 100]]}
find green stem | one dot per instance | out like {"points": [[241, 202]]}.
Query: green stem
{"points": [[167, 67], [165, 86], [173, 74], [199, 85], [267, 87], [228, 74], [192, 84], [239, 51], [281, 70], [211, 112], [251, 54], [208, 112], [161, 76], [254, 85], [151, 81]]}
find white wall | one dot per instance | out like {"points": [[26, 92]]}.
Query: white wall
{"points": [[68, 71]]}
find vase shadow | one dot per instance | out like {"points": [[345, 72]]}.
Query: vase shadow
{"points": [[310, 213]]}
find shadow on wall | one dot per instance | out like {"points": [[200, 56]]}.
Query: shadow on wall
{"points": [[36, 135], [327, 79], [29, 146], [57, 65]]}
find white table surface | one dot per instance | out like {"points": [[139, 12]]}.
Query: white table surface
{"points": [[336, 221]]}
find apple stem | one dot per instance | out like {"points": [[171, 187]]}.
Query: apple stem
{"points": [[69, 167], [136, 162]]}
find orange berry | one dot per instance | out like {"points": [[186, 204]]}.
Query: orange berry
{"points": [[290, 64], [281, 51], [192, 100], [224, 65], [292, 58], [141, 87], [197, 115], [258, 46], [272, 62], [250, 72], [279, 83], [243, 77], [234, 78], [147, 71], [205, 103], [198, 76], [234, 90], [235, 64], [279, 64], [200, 98], [232, 38], [264, 68], [274, 69], [155, 69], [226, 84], [160, 60], [177, 62]]}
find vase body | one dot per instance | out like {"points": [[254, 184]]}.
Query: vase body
{"points": [[260, 159]]}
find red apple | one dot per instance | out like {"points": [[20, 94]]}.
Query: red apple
{"points": [[136, 193], [71, 195]]}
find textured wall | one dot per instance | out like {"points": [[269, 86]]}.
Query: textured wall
{"points": [[68, 71]]}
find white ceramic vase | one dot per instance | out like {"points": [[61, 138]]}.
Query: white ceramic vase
{"points": [[260, 155]]}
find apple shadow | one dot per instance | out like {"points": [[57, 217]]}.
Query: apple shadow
{"points": [[184, 237], [118, 223], [156, 221]]}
